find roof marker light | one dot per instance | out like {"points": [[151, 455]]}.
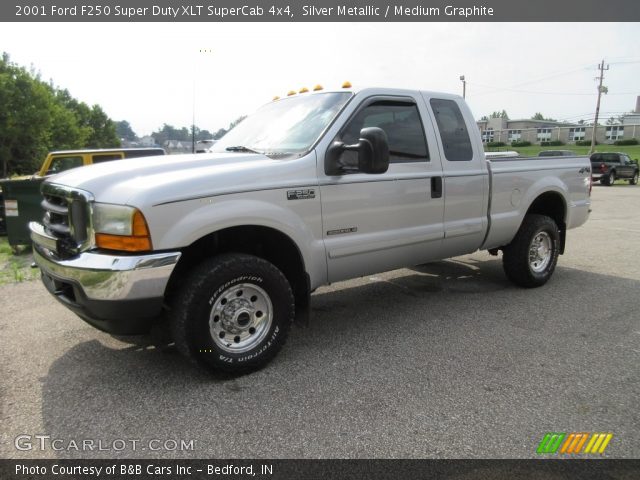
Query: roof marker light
{"points": [[317, 87], [346, 84], [276, 98], [303, 90], [291, 92]]}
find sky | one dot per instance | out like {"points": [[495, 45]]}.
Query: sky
{"points": [[155, 73]]}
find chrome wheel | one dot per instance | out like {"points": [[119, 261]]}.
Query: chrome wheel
{"points": [[540, 252], [612, 178], [240, 318]]}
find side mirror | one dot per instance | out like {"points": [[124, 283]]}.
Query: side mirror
{"points": [[373, 154]]}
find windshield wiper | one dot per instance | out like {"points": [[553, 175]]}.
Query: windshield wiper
{"points": [[241, 148]]}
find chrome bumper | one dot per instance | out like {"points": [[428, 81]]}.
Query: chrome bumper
{"points": [[110, 277]]}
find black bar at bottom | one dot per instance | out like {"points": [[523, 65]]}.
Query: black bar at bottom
{"points": [[119, 469]]}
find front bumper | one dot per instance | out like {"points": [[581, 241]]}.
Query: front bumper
{"points": [[117, 294]]}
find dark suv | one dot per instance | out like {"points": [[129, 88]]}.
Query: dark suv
{"points": [[609, 167]]}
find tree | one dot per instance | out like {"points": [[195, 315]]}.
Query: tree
{"points": [[539, 116], [203, 135], [124, 131], [103, 130], [36, 117], [24, 119], [502, 114]]}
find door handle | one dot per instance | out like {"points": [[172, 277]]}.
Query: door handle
{"points": [[436, 187]]}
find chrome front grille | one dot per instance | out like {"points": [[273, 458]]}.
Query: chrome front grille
{"points": [[56, 215], [67, 217]]}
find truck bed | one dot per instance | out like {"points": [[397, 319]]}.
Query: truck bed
{"points": [[515, 182]]}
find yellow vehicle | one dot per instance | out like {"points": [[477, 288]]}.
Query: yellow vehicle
{"points": [[62, 160], [21, 198]]}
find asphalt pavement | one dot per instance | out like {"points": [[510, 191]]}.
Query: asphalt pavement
{"points": [[446, 360]]}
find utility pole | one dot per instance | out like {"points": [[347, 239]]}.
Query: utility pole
{"points": [[600, 90], [464, 86]]}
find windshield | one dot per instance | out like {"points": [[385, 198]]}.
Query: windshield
{"points": [[287, 126]]}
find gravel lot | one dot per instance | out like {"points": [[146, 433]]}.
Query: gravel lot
{"points": [[444, 360]]}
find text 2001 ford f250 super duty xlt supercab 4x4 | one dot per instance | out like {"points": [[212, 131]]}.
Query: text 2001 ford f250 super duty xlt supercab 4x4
{"points": [[311, 189]]}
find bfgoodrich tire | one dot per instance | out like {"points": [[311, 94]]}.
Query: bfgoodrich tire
{"points": [[233, 313], [530, 259]]}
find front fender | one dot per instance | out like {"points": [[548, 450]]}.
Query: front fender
{"points": [[195, 219]]}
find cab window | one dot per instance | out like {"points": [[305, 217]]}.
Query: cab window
{"points": [[456, 142], [400, 121], [60, 164]]}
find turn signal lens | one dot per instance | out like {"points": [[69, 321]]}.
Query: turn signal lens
{"points": [[123, 243]]}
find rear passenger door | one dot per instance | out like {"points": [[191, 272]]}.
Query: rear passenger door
{"points": [[466, 179], [378, 222]]}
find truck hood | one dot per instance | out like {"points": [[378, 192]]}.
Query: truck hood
{"points": [[151, 181]]}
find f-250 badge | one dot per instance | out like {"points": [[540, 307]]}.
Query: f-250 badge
{"points": [[301, 194]]}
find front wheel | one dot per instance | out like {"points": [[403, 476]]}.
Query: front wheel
{"points": [[530, 259], [233, 313], [634, 179]]}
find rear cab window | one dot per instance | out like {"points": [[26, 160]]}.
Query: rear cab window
{"points": [[456, 142]]}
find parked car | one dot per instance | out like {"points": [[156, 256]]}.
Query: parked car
{"points": [[312, 189], [607, 167], [556, 153]]}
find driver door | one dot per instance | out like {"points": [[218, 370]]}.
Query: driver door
{"points": [[379, 222]]}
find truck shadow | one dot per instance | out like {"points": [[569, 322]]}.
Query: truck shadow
{"points": [[446, 316]]}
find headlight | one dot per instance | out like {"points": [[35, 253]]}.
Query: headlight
{"points": [[119, 227]]}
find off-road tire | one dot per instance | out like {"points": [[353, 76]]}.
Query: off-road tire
{"points": [[191, 311], [516, 256]]}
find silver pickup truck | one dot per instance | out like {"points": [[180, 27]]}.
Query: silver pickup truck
{"points": [[225, 248]]}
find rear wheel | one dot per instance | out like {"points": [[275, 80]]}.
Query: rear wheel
{"points": [[609, 179], [531, 258], [634, 179], [233, 313]]}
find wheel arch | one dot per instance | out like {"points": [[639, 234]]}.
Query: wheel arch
{"points": [[552, 204], [261, 241]]}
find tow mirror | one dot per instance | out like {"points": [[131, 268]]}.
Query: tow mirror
{"points": [[372, 149]]}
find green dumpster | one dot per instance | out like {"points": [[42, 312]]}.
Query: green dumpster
{"points": [[22, 200]]}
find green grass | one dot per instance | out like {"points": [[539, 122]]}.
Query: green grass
{"points": [[15, 268], [632, 150]]}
